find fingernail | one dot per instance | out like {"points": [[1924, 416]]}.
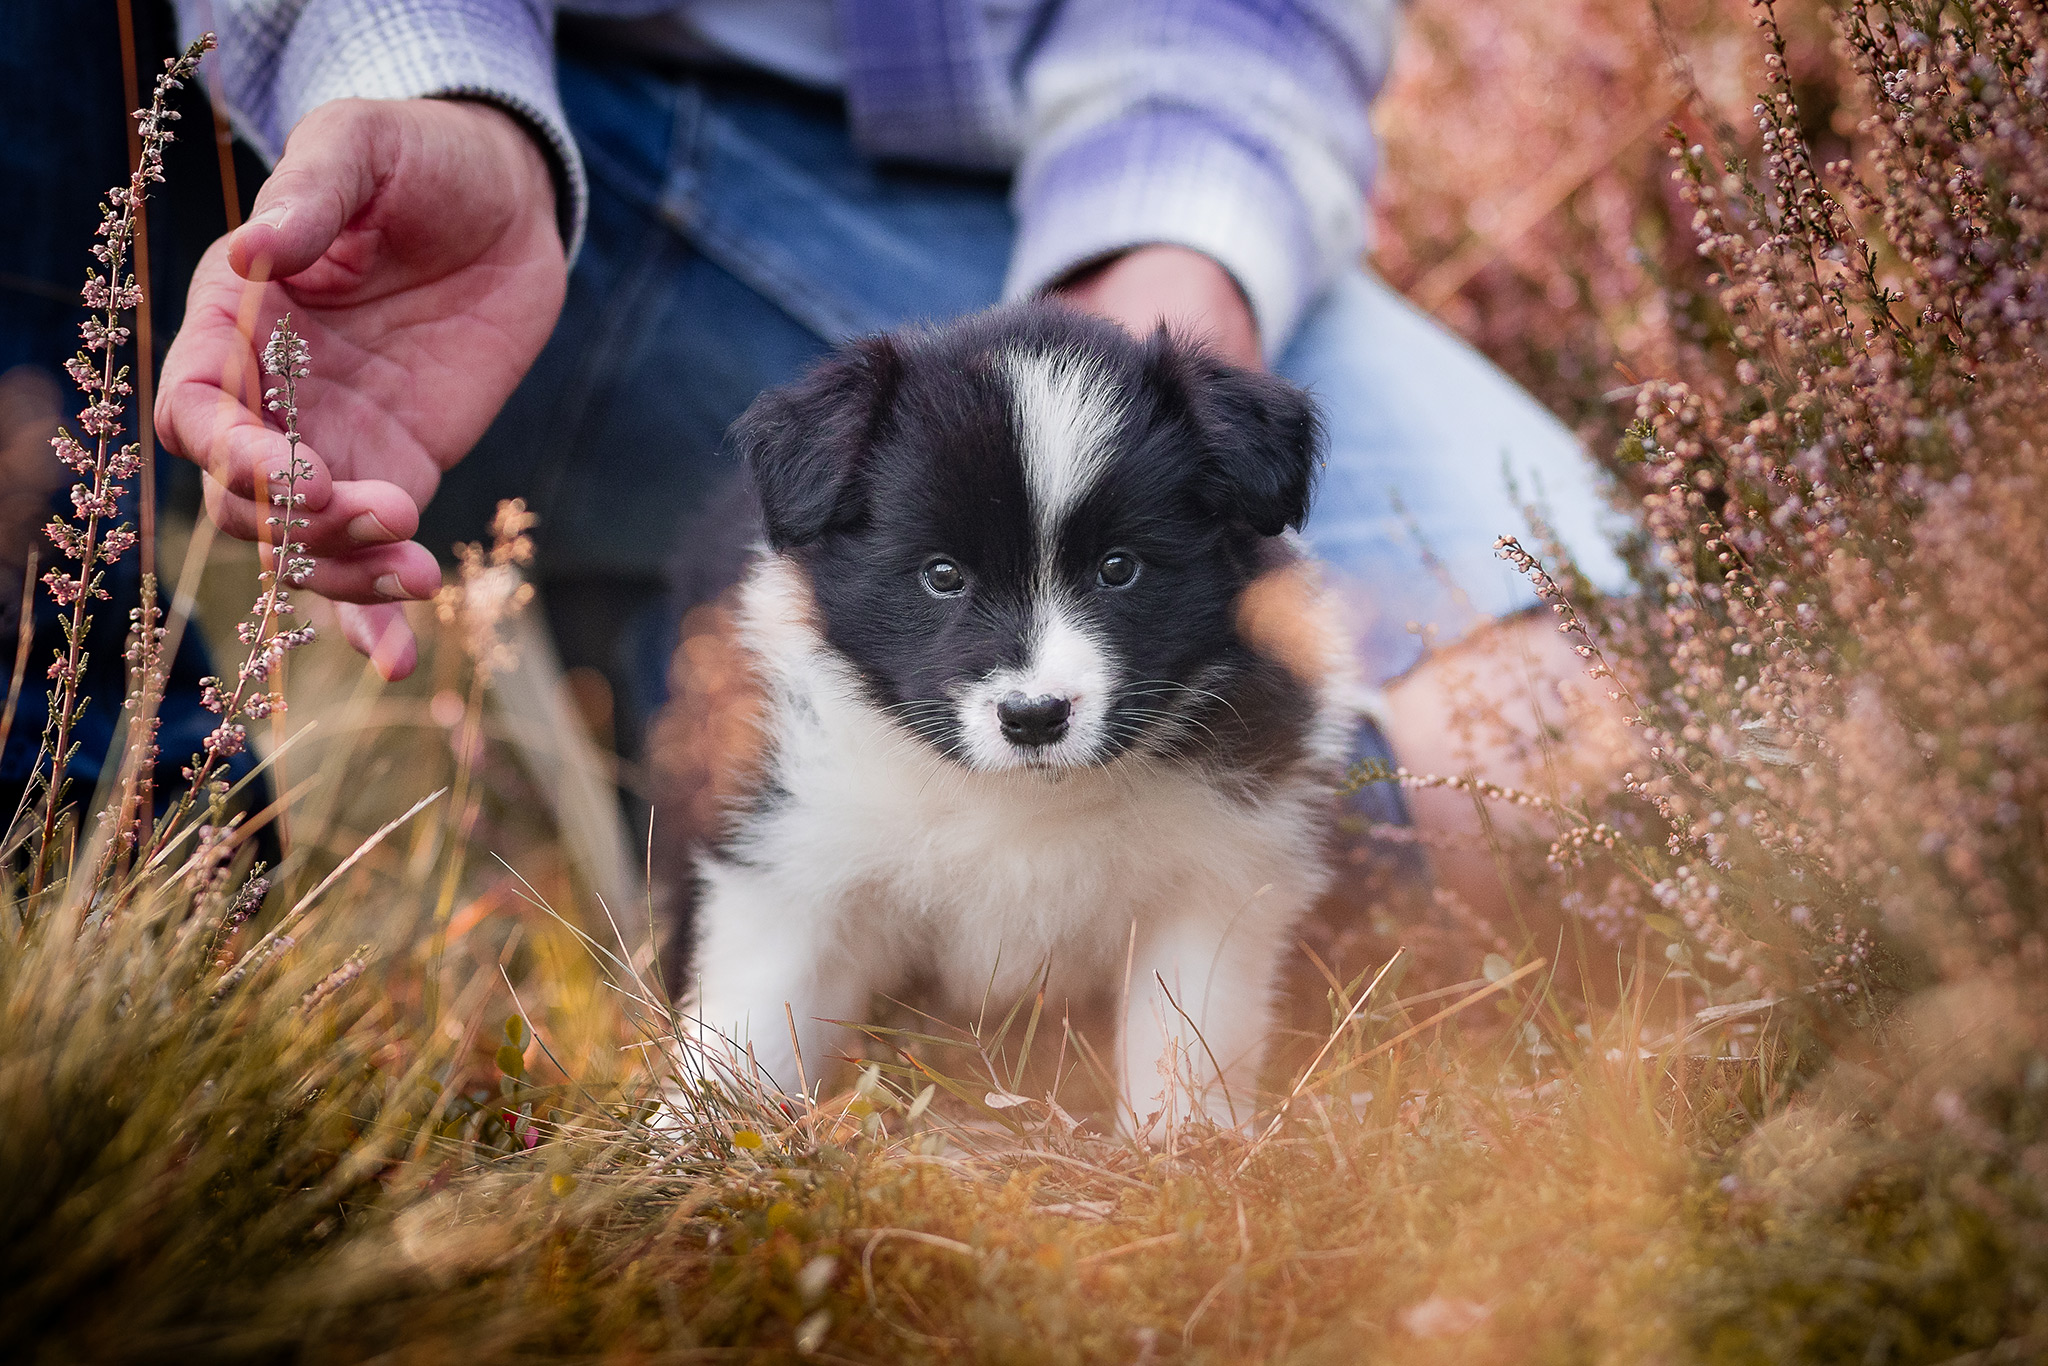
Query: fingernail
{"points": [[272, 216], [389, 588], [365, 529]]}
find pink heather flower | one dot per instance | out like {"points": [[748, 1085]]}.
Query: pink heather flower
{"points": [[226, 740]]}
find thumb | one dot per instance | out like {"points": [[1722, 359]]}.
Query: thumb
{"points": [[329, 171]]}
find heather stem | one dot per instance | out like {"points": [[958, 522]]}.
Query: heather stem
{"points": [[286, 356], [96, 497]]}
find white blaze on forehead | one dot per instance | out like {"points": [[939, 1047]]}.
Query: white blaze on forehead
{"points": [[1067, 414]]}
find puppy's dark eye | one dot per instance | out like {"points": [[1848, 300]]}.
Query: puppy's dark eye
{"points": [[1117, 570], [942, 578]]}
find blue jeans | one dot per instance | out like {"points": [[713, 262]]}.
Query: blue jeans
{"points": [[735, 235]]}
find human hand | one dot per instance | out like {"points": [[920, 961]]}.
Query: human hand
{"points": [[414, 243], [1184, 289]]}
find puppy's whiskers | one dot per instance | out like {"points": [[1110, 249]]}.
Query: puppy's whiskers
{"points": [[1156, 687]]}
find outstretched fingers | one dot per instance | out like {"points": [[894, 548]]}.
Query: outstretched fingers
{"points": [[352, 566], [356, 514], [405, 572]]}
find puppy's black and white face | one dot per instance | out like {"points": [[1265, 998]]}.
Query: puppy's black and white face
{"points": [[1028, 533]]}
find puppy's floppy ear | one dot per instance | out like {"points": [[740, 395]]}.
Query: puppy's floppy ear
{"points": [[806, 444], [1261, 437]]}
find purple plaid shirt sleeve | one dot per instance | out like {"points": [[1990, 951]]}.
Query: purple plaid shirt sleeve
{"points": [[279, 59], [1236, 127]]}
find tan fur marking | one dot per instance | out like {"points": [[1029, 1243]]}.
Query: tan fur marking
{"points": [[706, 746], [1287, 616]]}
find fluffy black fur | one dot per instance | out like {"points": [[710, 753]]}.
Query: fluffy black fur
{"points": [[903, 447]]}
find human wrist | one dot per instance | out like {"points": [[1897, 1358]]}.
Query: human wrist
{"points": [[1163, 284]]}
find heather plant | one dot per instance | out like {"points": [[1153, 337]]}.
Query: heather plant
{"points": [[489, 590], [1836, 672], [1852, 355], [94, 540], [264, 632], [1836, 676], [1523, 198]]}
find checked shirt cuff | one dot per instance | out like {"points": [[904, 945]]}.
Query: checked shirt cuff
{"points": [[1169, 175], [487, 50]]}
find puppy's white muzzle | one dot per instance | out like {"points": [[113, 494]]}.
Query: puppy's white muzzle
{"points": [[1051, 713]]}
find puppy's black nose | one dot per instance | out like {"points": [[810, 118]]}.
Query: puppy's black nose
{"points": [[1033, 720]]}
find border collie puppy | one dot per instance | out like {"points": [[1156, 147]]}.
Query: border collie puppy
{"points": [[1025, 678]]}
